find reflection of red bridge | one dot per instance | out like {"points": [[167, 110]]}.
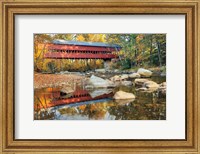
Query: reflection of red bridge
{"points": [[77, 96], [61, 49]]}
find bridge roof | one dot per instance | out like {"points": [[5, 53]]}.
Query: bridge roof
{"points": [[95, 44]]}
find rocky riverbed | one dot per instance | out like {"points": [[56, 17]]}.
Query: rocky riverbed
{"points": [[138, 95]]}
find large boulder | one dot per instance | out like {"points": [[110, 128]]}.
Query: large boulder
{"points": [[123, 95], [134, 75], [140, 82], [146, 85], [111, 84], [151, 84], [98, 82], [144, 72]]}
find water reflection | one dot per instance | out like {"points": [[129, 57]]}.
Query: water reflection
{"points": [[55, 104]]}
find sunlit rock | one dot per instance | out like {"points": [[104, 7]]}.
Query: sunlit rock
{"points": [[99, 82], [151, 84], [134, 75], [123, 95], [148, 86], [144, 72]]}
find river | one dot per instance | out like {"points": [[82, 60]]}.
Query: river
{"points": [[86, 105]]}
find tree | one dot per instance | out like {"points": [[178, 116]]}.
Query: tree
{"points": [[138, 50]]}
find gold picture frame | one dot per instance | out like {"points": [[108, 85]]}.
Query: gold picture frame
{"points": [[9, 8]]}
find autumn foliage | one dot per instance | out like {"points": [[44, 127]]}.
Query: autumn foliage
{"points": [[137, 50]]}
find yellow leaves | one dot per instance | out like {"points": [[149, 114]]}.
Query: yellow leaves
{"points": [[99, 62], [80, 38], [97, 37], [139, 37], [91, 37]]}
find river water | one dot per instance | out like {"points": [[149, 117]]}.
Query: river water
{"points": [[146, 106]]}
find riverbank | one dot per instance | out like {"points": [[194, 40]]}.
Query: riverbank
{"points": [[55, 80], [70, 78]]}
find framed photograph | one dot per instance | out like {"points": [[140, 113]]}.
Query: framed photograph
{"points": [[99, 76]]}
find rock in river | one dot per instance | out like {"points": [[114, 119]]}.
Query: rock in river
{"points": [[134, 75], [124, 77], [123, 95], [99, 92], [144, 72], [141, 89], [111, 84], [99, 82], [126, 83], [140, 82], [151, 84], [115, 78], [163, 85]]}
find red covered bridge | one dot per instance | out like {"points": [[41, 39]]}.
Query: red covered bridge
{"points": [[62, 49]]}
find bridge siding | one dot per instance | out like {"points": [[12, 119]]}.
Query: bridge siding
{"points": [[63, 55]]}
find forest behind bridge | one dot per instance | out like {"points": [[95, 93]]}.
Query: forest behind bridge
{"points": [[138, 50]]}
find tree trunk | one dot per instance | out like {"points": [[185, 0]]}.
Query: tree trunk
{"points": [[159, 54], [151, 61]]}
